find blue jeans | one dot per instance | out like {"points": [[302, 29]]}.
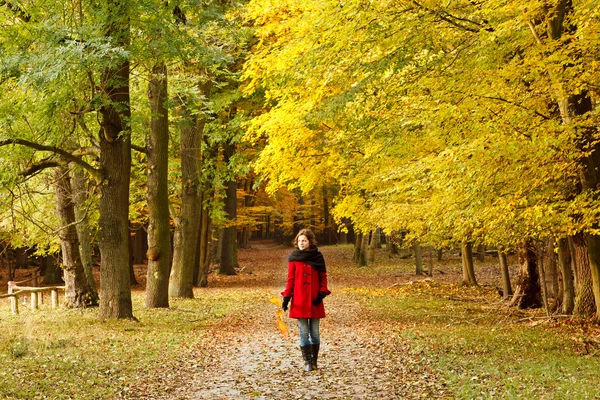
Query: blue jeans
{"points": [[309, 331]]}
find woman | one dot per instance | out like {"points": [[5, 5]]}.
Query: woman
{"points": [[306, 288]]}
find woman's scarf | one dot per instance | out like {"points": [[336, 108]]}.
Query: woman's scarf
{"points": [[312, 257]]}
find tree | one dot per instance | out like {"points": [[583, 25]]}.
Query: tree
{"points": [[78, 291], [159, 238]]}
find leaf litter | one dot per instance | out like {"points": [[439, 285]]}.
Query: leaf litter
{"points": [[251, 355]]}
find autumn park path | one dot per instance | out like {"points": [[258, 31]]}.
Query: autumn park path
{"points": [[246, 356]]}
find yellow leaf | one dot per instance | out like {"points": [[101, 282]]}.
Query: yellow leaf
{"points": [[275, 301]]}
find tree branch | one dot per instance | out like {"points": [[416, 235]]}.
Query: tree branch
{"points": [[17, 10], [39, 167], [139, 149], [65, 155]]}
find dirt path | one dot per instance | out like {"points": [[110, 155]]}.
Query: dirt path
{"points": [[250, 359]]}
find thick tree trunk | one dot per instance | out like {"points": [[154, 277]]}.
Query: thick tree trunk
{"points": [[505, 275], [159, 235], [115, 163], [527, 287], [585, 305], [572, 106], [83, 226], [188, 220], [78, 292], [467, 264]]}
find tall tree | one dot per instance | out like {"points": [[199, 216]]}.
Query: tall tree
{"points": [[159, 237], [115, 162], [78, 292]]}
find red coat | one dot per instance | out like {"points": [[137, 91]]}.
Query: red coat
{"points": [[303, 284]]}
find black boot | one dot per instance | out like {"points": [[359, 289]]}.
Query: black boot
{"points": [[315, 354], [307, 356]]}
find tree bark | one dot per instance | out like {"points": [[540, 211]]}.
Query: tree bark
{"points": [[362, 255], [480, 253], [527, 292], [159, 235], [50, 271], [188, 220], [585, 305], [550, 267], [357, 245], [467, 264], [83, 226], [418, 258], [140, 244], [372, 247], [115, 163], [229, 233], [228, 249], [565, 265], [572, 106], [78, 292], [505, 274]]}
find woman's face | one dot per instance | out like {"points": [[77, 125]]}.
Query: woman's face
{"points": [[303, 243]]}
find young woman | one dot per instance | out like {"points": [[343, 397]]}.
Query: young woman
{"points": [[306, 288]]}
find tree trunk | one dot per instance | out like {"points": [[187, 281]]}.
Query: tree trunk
{"points": [[362, 255], [115, 163], [50, 271], [83, 226], [467, 264], [550, 268], [372, 247], [540, 255], [159, 235], [481, 253], [204, 249], [229, 233], [357, 244], [132, 279], [418, 258], [140, 244], [527, 288], [188, 221], [78, 292], [505, 274], [564, 263], [572, 106], [585, 306]]}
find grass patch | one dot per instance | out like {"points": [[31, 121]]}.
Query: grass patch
{"points": [[65, 354], [481, 348]]}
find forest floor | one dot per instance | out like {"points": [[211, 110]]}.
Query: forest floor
{"points": [[247, 357], [388, 334]]}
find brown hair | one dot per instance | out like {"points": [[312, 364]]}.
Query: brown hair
{"points": [[309, 235]]}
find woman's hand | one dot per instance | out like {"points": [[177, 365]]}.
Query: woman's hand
{"points": [[319, 299], [284, 304]]}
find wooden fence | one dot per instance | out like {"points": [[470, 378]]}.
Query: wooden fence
{"points": [[36, 294]]}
